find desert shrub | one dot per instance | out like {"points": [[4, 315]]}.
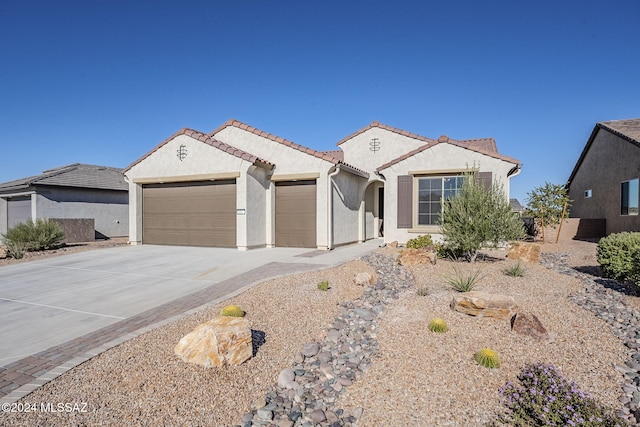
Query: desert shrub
{"points": [[487, 358], [463, 282], [232, 310], [438, 325], [423, 241], [477, 217], [446, 252], [618, 255], [33, 236], [514, 270], [16, 250], [545, 398], [323, 286]]}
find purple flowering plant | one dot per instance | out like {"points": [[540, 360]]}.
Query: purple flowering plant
{"points": [[545, 398]]}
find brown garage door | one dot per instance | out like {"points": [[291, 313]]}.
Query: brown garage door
{"points": [[190, 214], [296, 214]]}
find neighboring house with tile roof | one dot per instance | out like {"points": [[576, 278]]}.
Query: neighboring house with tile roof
{"points": [[76, 191], [243, 187], [605, 182]]}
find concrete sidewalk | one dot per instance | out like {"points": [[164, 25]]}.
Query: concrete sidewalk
{"points": [[59, 312]]}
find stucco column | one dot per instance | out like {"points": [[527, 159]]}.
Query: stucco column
{"points": [[135, 214]]}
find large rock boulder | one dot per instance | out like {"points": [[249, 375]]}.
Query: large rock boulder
{"points": [[411, 256], [364, 279], [523, 251], [483, 304], [223, 341], [4, 252], [528, 324]]}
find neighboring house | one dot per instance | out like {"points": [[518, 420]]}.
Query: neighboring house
{"points": [[242, 187], [604, 183], [69, 192], [516, 207]]}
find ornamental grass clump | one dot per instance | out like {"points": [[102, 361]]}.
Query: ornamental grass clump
{"points": [[545, 398], [487, 358], [462, 282], [514, 270], [438, 325]]}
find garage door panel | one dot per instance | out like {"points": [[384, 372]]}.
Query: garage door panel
{"points": [[191, 214], [296, 214], [18, 210]]}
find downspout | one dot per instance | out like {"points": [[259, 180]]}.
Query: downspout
{"points": [[330, 206]]}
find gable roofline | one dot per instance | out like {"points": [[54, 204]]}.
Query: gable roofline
{"points": [[229, 149], [628, 130], [326, 156], [466, 144], [377, 124]]}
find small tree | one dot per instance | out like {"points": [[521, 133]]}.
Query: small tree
{"points": [[546, 204], [477, 216]]}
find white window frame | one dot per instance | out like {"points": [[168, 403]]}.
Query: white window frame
{"points": [[633, 197], [417, 227]]}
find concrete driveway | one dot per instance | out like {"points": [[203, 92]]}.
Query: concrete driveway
{"points": [[50, 302]]}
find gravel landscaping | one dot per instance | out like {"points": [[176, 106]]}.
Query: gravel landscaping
{"points": [[376, 362]]}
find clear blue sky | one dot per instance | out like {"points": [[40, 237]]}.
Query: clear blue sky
{"points": [[104, 81]]}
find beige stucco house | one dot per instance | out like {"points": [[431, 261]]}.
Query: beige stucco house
{"points": [[604, 183], [242, 187]]}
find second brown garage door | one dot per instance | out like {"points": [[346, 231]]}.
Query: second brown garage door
{"points": [[296, 214], [190, 214]]}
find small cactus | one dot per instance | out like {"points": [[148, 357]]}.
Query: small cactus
{"points": [[232, 311], [487, 358], [438, 325], [323, 286]]}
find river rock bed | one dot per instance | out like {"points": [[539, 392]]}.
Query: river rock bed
{"points": [[605, 299], [306, 393]]}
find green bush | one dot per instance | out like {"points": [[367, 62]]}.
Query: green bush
{"points": [[33, 236], [423, 241], [545, 398], [618, 255], [477, 217]]}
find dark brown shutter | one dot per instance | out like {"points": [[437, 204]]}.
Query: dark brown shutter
{"points": [[405, 201], [485, 179]]}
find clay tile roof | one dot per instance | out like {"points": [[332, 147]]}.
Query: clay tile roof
{"points": [[482, 146], [338, 154], [212, 142], [319, 154], [376, 124]]}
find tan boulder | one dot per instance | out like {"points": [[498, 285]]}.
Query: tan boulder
{"points": [[4, 252], [528, 324], [411, 256], [219, 342], [364, 279], [523, 251], [483, 304], [393, 244]]}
